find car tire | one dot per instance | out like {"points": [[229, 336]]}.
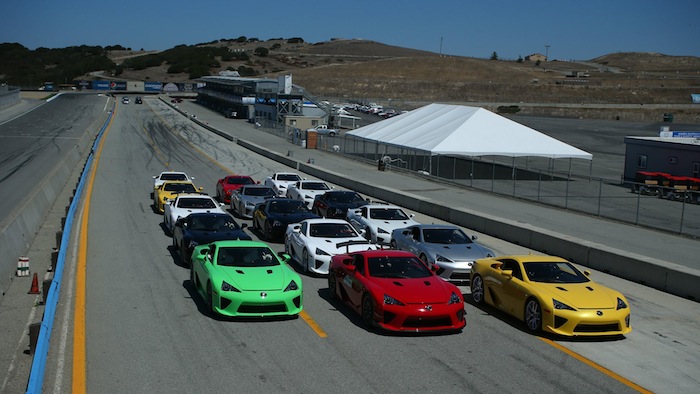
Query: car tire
{"points": [[192, 280], [305, 261], [210, 299], [333, 285], [368, 311], [477, 287], [533, 315]]}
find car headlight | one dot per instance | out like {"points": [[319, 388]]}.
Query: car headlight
{"points": [[389, 300], [442, 258], [338, 211], [561, 305], [193, 244], [308, 197], [225, 286], [454, 299], [621, 304], [382, 231], [276, 223], [292, 286], [322, 252], [249, 204]]}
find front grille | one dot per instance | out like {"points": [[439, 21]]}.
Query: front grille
{"points": [[224, 303], [262, 308], [438, 321], [388, 317], [597, 327], [297, 301], [460, 276]]}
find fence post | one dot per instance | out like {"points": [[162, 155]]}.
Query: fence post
{"points": [[600, 194]]}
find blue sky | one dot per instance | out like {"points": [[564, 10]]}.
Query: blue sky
{"points": [[573, 30]]}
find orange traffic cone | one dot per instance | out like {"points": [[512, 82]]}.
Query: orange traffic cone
{"points": [[35, 285]]}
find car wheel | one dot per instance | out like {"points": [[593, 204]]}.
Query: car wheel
{"points": [[477, 289], [368, 311], [305, 261], [533, 315], [192, 282], [332, 285], [210, 299], [287, 249]]}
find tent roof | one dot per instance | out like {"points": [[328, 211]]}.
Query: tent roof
{"points": [[460, 130]]}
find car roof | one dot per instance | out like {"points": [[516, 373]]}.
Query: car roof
{"points": [[533, 258], [374, 206], [239, 244]]}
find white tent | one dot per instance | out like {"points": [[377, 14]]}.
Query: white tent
{"points": [[459, 130]]}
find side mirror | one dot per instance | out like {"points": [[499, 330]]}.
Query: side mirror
{"points": [[587, 273], [351, 268], [507, 273], [200, 188], [474, 237], [296, 228], [284, 257]]}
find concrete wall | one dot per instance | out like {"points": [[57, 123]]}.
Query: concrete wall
{"points": [[662, 275], [9, 96]]}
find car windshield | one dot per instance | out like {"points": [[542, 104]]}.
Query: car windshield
{"points": [[397, 267], [345, 197], [554, 272], [239, 181], [287, 206], [173, 177], [314, 186], [332, 230], [179, 187], [387, 214], [445, 236], [202, 203], [258, 191], [253, 256], [211, 223], [288, 177]]}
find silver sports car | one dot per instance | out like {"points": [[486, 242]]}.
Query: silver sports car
{"points": [[447, 247]]}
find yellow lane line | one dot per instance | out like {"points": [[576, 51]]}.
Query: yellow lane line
{"points": [[312, 323], [79, 342], [597, 366]]}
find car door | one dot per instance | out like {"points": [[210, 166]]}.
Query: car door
{"points": [[298, 239], [352, 281], [511, 292]]}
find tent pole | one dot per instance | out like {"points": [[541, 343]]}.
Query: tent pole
{"points": [[514, 175], [471, 174], [590, 170], [568, 180], [493, 171]]}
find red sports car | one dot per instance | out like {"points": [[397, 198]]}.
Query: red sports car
{"points": [[396, 291], [226, 185]]}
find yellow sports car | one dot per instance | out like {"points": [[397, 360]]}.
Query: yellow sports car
{"points": [[550, 294], [168, 189]]}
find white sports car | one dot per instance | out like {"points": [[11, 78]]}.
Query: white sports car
{"points": [[379, 221], [307, 191], [312, 242], [170, 176], [280, 181], [185, 204]]}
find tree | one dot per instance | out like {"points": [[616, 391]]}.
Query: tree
{"points": [[494, 56], [261, 51]]}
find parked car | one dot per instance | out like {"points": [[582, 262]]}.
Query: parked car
{"points": [[137, 100], [379, 221], [245, 278], [335, 203], [226, 185], [394, 290], [125, 100], [272, 217], [170, 176], [203, 228], [446, 247], [280, 181], [312, 242], [244, 200], [169, 189], [307, 190], [550, 294]]}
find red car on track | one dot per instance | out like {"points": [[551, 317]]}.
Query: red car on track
{"points": [[226, 185], [396, 291]]}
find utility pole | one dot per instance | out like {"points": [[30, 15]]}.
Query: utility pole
{"points": [[546, 53]]}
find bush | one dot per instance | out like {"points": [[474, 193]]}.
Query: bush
{"points": [[261, 51]]}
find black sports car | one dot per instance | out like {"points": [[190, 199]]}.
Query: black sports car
{"points": [[203, 228], [271, 218], [335, 204]]}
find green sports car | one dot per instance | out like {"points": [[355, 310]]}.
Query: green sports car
{"points": [[245, 278]]}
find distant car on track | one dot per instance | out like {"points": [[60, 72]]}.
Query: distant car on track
{"points": [[280, 181], [226, 185], [168, 189], [185, 204], [244, 200], [272, 217], [245, 278], [550, 294], [170, 176], [379, 221], [395, 291], [307, 190], [335, 203], [444, 246]]}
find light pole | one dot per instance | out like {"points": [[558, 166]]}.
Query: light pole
{"points": [[546, 53]]}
